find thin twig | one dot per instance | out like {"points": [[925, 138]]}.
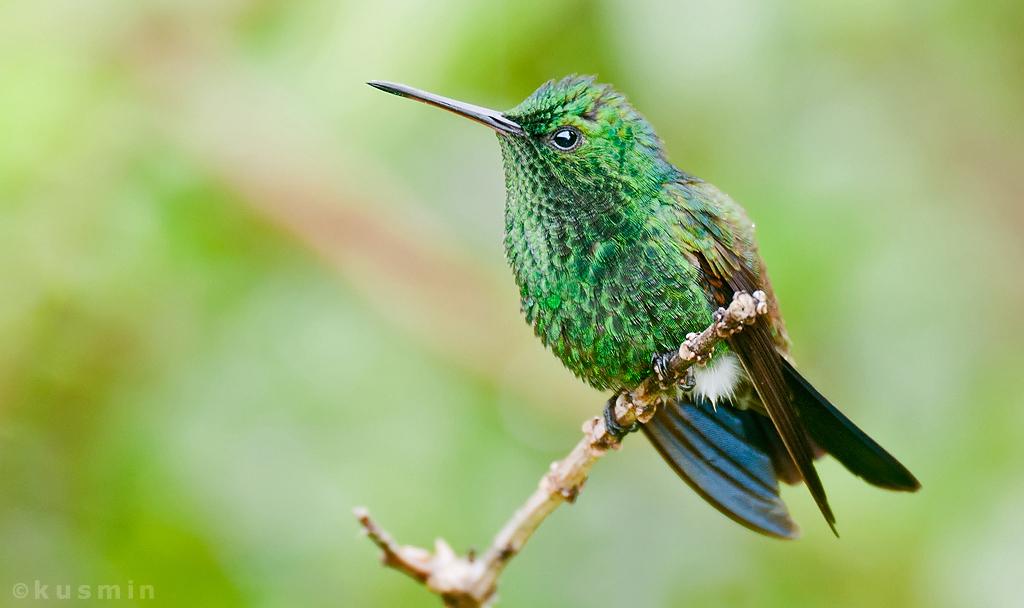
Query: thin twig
{"points": [[469, 582]]}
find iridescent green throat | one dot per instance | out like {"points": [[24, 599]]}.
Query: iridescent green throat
{"points": [[586, 237]]}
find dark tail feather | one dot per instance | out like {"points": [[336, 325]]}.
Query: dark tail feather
{"points": [[763, 364], [771, 443], [723, 456], [834, 432]]}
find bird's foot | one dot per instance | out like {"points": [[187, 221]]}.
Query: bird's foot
{"points": [[660, 363], [686, 384], [610, 423]]}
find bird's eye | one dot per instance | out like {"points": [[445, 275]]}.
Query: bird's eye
{"points": [[566, 138]]}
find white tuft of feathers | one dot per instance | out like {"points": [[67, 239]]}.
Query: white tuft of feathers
{"points": [[718, 379]]}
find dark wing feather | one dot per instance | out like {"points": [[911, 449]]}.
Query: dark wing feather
{"points": [[720, 453], [757, 352], [838, 436]]}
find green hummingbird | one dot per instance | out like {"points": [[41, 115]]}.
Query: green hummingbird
{"points": [[618, 256]]}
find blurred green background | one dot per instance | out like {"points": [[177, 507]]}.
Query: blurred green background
{"points": [[241, 292]]}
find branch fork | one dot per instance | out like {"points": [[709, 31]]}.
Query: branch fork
{"points": [[471, 581]]}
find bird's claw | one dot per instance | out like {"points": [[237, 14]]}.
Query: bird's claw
{"points": [[660, 363], [687, 383], [614, 428]]}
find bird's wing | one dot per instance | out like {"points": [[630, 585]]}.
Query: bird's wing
{"points": [[718, 236], [722, 454]]}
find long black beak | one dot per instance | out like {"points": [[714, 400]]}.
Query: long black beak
{"points": [[492, 118]]}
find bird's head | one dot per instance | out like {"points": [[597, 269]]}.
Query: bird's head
{"points": [[586, 136], [577, 144]]}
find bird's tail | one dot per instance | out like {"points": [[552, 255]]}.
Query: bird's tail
{"points": [[734, 458], [841, 438]]}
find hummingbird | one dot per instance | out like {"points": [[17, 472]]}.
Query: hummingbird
{"points": [[619, 255]]}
